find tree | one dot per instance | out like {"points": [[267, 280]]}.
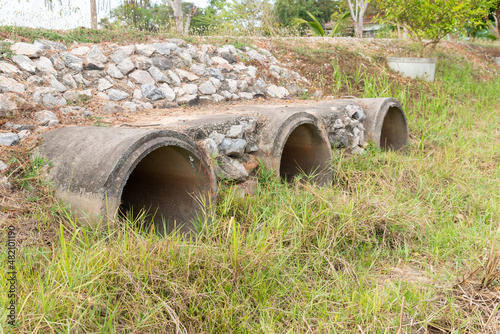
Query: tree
{"points": [[93, 14], [357, 10], [182, 26], [428, 21]]}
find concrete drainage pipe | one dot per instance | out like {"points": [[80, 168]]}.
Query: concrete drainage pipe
{"points": [[103, 171], [385, 122], [294, 143]]}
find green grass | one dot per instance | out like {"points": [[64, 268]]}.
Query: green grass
{"points": [[389, 240]]}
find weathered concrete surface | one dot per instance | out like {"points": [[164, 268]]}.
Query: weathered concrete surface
{"points": [[101, 171]]}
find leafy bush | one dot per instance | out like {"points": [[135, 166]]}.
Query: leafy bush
{"points": [[430, 20]]}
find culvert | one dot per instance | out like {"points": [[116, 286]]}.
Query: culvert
{"points": [[101, 172], [292, 143], [385, 122]]}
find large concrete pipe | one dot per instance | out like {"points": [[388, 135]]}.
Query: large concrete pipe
{"points": [[385, 122], [294, 142], [106, 171]]}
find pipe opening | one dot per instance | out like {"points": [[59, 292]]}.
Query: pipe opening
{"points": [[394, 130], [305, 152], [166, 184]]}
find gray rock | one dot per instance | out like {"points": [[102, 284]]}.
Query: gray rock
{"points": [[8, 68], [279, 92], [51, 101], [145, 49], [46, 118], [216, 137], [5, 185], [23, 134], [219, 60], [226, 94], [162, 63], [131, 106], [158, 75], [198, 69], [57, 62], [36, 80], [233, 147], [242, 85], [190, 89], [186, 75], [137, 94], [68, 81], [9, 139], [164, 48], [143, 63], [25, 63], [218, 98], [252, 71], [3, 166], [117, 95], [30, 50], [80, 51], [71, 96], [11, 85], [245, 96], [93, 65], [103, 96], [126, 66], [207, 88], [230, 58], [236, 131], [118, 56], [8, 104], [142, 77], [168, 92], [151, 92], [232, 85], [50, 45], [112, 108], [339, 138], [175, 78], [186, 56], [255, 55], [81, 80], [44, 65], [72, 62], [210, 147], [188, 99], [355, 112], [97, 55], [129, 49], [103, 84], [57, 85], [230, 169], [179, 91], [114, 72]]}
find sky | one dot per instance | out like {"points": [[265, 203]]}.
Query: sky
{"points": [[58, 14]]}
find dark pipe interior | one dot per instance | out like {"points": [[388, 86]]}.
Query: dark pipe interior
{"points": [[305, 153], [394, 130], [165, 184]]}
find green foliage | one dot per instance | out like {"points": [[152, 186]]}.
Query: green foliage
{"points": [[433, 19], [286, 10], [5, 50], [314, 25]]}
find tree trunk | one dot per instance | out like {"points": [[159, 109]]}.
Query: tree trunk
{"points": [[93, 14], [188, 19], [176, 6], [357, 11]]}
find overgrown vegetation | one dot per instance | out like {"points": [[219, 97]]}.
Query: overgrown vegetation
{"points": [[401, 241]]}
